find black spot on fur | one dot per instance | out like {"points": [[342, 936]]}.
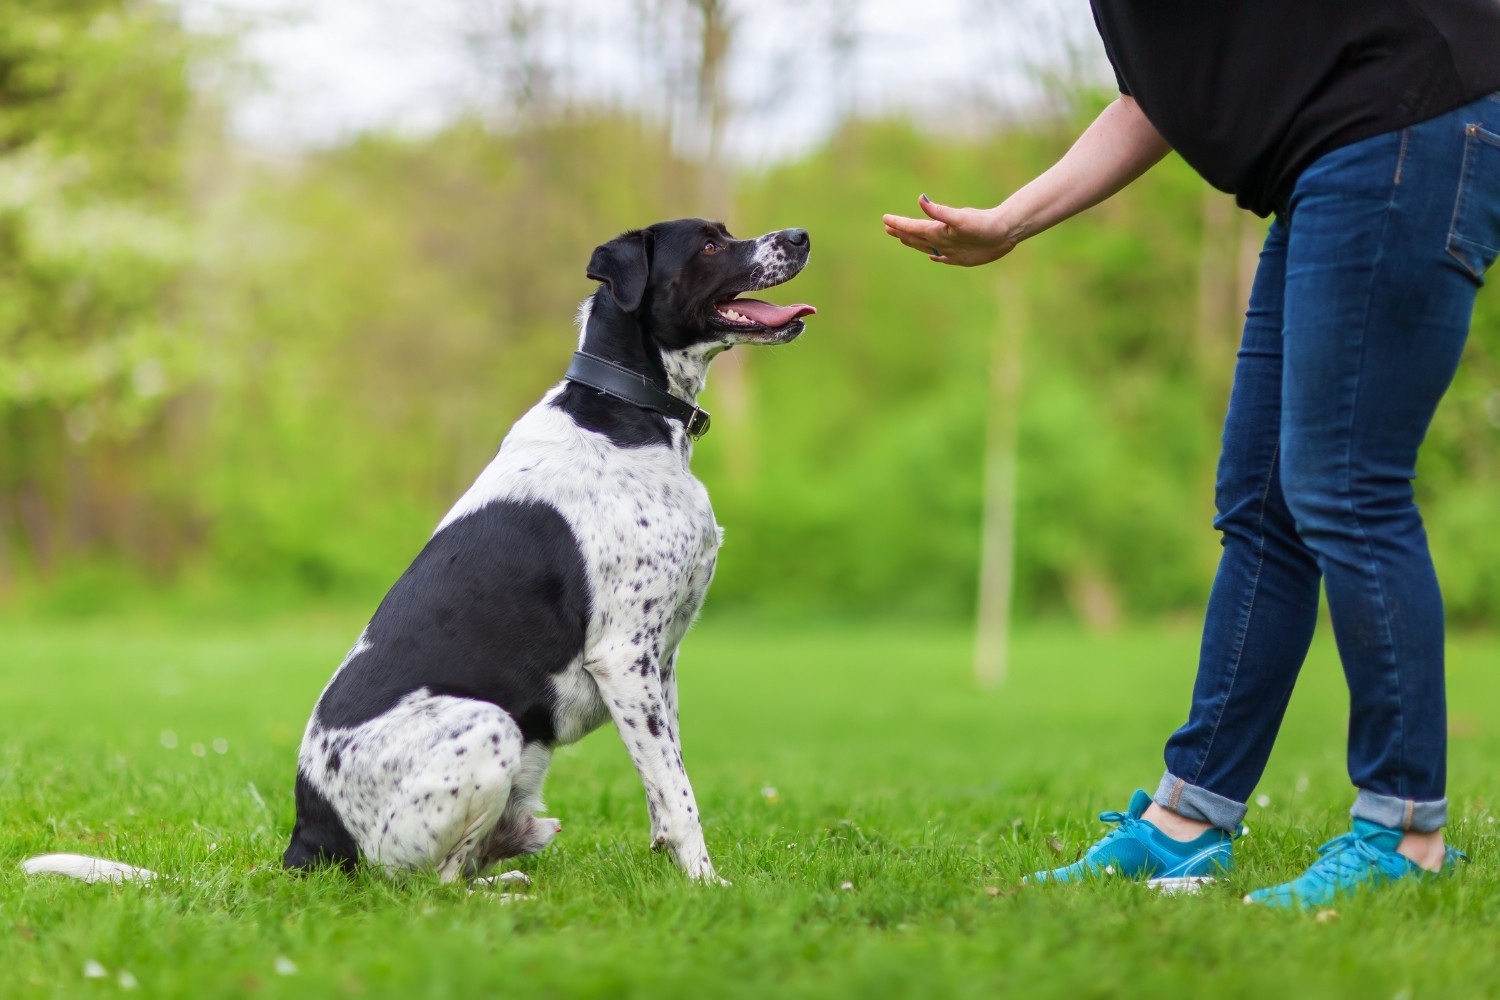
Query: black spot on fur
{"points": [[492, 608]]}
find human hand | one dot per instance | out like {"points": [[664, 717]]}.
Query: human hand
{"points": [[962, 236]]}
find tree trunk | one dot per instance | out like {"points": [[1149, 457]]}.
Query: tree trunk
{"points": [[998, 527], [731, 393]]}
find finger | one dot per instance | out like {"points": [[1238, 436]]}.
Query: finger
{"points": [[921, 228], [942, 213], [919, 243]]}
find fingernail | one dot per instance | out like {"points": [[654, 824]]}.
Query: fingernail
{"points": [[925, 198]]}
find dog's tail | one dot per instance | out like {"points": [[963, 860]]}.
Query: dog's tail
{"points": [[81, 866]]}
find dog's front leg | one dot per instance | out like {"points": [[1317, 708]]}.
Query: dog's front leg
{"points": [[669, 709], [645, 715]]}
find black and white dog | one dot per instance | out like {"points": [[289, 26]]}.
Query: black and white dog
{"points": [[554, 594]]}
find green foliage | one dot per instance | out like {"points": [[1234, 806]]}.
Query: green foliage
{"points": [[888, 393], [270, 379], [94, 241], [384, 315]]}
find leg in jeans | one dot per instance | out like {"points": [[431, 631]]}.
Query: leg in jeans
{"points": [[1374, 336], [1263, 606], [1383, 253]]}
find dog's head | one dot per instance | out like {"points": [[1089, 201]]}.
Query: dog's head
{"points": [[681, 282]]}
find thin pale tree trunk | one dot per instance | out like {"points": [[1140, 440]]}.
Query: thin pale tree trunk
{"points": [[998, 528], [730, 385]]}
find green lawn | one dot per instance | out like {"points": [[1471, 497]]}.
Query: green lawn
{"points": [[873, 810]]}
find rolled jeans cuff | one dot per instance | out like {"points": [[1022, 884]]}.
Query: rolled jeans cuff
{"points": [[1200, 804], [1400, 814]]}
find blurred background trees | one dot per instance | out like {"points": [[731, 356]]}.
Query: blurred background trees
{"points": [[94, 244], [248, 380]]}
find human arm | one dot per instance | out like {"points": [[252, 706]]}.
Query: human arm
{"points": [[1116, 148]]}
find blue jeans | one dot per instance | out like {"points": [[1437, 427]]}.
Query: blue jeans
{"points": [[1358, 315]]}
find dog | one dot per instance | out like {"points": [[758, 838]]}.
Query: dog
{"points": [[554, 594]]}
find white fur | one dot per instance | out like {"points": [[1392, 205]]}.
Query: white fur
{"points": [[81, 866]]}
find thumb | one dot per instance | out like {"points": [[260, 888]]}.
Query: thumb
{"points": [[942, 213]]}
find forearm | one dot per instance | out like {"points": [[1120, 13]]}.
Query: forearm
{"points": [[1114, 150]]}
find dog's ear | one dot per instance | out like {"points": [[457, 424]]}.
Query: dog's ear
{"points": [[623, 264]]}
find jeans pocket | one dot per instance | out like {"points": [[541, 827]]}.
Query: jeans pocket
{"points": [[1474, 237]]}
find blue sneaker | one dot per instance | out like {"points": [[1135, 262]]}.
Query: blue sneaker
{"points": [[1365, 857], [1137, 850]]}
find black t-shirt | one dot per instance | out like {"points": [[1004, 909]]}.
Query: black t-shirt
{"points": [[1251, 92]]}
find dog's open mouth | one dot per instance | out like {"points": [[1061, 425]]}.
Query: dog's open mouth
{"points": [[755, 315]]}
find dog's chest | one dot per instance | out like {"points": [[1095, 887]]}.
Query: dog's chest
{"points": [[650, 545], [644, 527]]}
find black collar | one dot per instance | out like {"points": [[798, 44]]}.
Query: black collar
{"points": [[622, 383]]}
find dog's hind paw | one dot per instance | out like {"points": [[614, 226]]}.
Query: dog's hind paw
{"points": [[504, 878]]}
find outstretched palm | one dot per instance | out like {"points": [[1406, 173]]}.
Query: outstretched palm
{"points": [[962, 236]]}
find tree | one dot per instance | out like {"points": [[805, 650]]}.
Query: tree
{"points": [[93, 99]]}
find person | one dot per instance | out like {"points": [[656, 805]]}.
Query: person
{"points": [[1372, 133]]}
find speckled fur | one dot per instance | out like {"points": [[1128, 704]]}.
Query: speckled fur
{"points": [[449, 783]]}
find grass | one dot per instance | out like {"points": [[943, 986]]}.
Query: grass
{"points": [[873, 810]]}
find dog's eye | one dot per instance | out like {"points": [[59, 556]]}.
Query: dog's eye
{"points": [[711, 247]]}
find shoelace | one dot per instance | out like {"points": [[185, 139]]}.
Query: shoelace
{"points": [[1127, 824], [1344, 856]]}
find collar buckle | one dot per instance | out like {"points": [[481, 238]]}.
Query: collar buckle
{"points": [[697, 424], [633, 387]]}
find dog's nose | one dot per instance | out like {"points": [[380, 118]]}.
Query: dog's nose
{"points": [[796, 237]]}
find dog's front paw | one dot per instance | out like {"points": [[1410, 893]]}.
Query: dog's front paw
{"points": [[698, 868], [707, 876]]}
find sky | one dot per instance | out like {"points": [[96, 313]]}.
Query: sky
{"points": [[332, 68]]}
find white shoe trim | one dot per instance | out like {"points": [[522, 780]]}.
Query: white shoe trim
{"points": [[1180, 884]]}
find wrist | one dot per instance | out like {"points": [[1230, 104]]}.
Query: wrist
{"points": [[1006, 225]]}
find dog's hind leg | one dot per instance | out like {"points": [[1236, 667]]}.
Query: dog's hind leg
{"points": [[520, 831], [456, 759]]}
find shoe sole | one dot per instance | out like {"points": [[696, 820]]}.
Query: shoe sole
{"points": [[1182, 884]]}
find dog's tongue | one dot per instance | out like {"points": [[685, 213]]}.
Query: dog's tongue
{"points": [[768, 313]]}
